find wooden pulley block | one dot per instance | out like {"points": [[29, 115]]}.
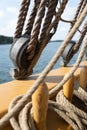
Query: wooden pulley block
{"points": [[68, 53], [18, 56]]}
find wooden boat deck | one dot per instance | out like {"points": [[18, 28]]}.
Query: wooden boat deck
{"points": [[17, 87]]}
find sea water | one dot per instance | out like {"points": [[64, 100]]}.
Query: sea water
{"points": [[6, 64]]}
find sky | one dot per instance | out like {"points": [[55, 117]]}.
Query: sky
{"points": [[9, 12]]}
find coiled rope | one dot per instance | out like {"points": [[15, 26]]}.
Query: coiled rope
{"points": [[27, 96], [74, 116]]}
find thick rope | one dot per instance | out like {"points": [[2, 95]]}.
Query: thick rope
{"points": [[49, 16], [32, 16], [78, 43], [77, 14], [48, 36], [78, 9], [83, 6], [80, 99], [74, 116], [24, 116], [72, 22], [57, 16], [35, 33], [78, 116], [76, 65], [27, 96], [21, 18]]}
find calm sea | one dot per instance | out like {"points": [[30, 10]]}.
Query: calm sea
{"points": [[6, 64]]}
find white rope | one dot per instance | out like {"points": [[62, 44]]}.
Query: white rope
{"points": [[27, 96], [76, 65]]}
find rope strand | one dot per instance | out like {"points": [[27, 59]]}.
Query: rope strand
{"points": [[67, 76], [21, 18], [27, 96]]}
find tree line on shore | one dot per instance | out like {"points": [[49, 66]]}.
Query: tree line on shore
{"points": [[9, 40], [5, 39]]}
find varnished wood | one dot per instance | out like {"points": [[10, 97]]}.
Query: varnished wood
{"points": [[14, 88], [40, 106], [83, 78], [68, 88]]}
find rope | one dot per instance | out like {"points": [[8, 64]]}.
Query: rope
{"points": [[65, 109], [21, 18], [27, 96], [78, 116], [34, 38], [78, 9], [83, 33], [80, 99], [83, 5], [31, 19], [35, 33], [67, 76], [24, 116], [39, 38], [48, 19], [48, 36], [77, 15], [57, 16]]}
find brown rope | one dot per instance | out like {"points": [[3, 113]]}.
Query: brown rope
{"points": [[72, 22], [48, 19], [57, 16], [83, 6], [77, 13], [48, 36], [78, 43], [78, 9], [21, 18], [27, 96], [31, 19], [35, 33]]}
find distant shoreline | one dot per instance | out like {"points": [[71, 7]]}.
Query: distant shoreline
{"points": [[11, 42], [4, 40]]}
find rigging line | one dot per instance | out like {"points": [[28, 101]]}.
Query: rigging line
{"points": [[34, 38], [67, 76], [21, 18], [23, 101], [77, 13], [32, 17], [57, 16], [48, 19], [83, 33], [83, 6], [78, 9], [48, 36]]}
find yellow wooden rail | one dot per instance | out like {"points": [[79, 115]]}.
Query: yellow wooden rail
{"points": [[14, 88]]}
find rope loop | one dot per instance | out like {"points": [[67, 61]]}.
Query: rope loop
{"points": [[73, 115], [25, 120], [77, 124]]}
